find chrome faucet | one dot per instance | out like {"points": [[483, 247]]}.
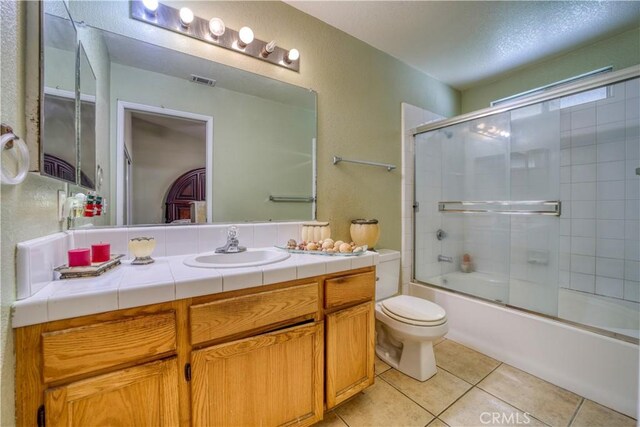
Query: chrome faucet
{"points": [[232, 246], [442, 258]]}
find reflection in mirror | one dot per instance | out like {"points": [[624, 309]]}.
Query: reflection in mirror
{"points": [[197, 141], [58, 124], [87, 124]]}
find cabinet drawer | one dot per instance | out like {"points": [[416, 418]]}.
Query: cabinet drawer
{"points": [[75, 351], [349, 289], [233, 316]]}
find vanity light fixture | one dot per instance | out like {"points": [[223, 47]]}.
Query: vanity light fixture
{"points": [[151, 6], [268, 49], [186, 17], [292, 55], [245, 36], [213, 30], [217, 27]]}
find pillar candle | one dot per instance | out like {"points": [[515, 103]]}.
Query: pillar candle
{"points": [[100, 252], [79, 257]]}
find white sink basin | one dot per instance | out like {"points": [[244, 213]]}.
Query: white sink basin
{"points": [[249, 258]]}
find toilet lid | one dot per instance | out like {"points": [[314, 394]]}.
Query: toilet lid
{"points": [[414, 311]]}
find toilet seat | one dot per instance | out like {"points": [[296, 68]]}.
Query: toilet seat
{"points": [[414, 311]]}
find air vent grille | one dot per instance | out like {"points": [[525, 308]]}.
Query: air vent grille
{"points": [[203, 80]]}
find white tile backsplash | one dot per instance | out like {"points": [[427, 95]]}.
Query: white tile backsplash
{"points": [[611, 151], [583, 155], [611, 171], [584, 173], [265, 235], [583, 264], [610, 287], [610, 229], [611, 190], [583, 246], [610, 248], [611, 112], [181, 240], [632, 290], [610, 267], [583, 118], [583, 282]]}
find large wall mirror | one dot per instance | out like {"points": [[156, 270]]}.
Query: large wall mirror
{"points": [[190, 140]]}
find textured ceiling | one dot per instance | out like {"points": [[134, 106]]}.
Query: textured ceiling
{"points": [[463, 43]]}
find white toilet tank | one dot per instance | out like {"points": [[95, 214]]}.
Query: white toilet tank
{"points": [[388, 274]]}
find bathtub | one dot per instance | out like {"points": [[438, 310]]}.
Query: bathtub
{"points": [[478, 284], [615, 315], [598, 367]]}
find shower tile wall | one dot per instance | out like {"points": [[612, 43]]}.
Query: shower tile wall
{"points": [[600, 237]]}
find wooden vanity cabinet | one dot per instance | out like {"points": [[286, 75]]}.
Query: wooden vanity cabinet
{"points": [[350, 336], [273, 379], [259, 356], [144, 395]]}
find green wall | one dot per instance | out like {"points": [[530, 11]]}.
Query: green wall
{"points": [[620, 51]]}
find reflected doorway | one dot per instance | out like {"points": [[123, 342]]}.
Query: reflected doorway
{"points": [[157, 148]]}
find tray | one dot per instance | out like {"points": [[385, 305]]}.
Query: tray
{"points": [[300, 251], [93, 270]]}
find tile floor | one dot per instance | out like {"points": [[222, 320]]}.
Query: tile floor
{"points": [[470, 389]]}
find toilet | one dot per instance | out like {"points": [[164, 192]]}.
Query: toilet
{"points": [[406, 326]]}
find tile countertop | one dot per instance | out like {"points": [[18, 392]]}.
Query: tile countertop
{"points": [[167, 279]]}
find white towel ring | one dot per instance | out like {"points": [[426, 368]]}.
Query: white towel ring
{"points": [[23, 159]]}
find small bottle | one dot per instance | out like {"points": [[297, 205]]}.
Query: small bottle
{"points": [[466, 265]]}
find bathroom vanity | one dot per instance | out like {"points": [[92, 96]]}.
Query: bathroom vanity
{"points": [[274, 354]]}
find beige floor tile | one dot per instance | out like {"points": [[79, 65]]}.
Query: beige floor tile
{"points": [[439, 340], [382, 405], [435, 394], [545, 401], [437, 423], [592, 414], [381, 366], [479, 408], [463, 362], [331, 420]]}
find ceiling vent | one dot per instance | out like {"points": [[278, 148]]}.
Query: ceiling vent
{"points": [[203, 80]]}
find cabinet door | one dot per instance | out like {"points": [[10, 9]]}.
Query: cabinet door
{"points": [[350, 352], [268, 380], [145, 395]]}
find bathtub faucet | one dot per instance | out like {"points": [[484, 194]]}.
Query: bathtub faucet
{"points": [[442, 258]]}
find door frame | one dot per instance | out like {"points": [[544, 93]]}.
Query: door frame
{"points": [[122, 108]]}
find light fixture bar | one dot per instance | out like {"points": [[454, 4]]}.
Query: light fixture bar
{"points": [[169, 18]]}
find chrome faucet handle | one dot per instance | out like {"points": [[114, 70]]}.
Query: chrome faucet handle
{"points": [[232, 232]]}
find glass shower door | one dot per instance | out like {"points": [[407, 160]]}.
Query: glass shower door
{"points": [[535, 176]]}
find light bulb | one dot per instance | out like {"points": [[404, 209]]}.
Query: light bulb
{"points": [[291, 56], [268, 48], [186, 16], [150, 5], [246, 36], [216, 26]]}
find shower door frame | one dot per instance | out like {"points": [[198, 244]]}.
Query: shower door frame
{"points": [[555, 93]]}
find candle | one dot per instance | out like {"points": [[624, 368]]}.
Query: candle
{"points": [[79, 257], [100, 252]]}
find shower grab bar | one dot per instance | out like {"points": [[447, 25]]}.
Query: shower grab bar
{"points": [[294, 199], [390, 167], [554, 207]]}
